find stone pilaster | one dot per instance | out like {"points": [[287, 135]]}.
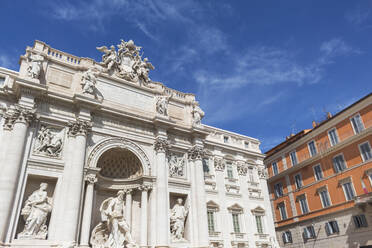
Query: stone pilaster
{"points": [[196, 154], [72, 183], [161, 146], [128, 206], [16, 122], [91, 179], [144, 195]]}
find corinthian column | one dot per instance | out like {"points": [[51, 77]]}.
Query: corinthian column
{"points": [[72, 183], [196, 155], [144, 189], [161, 146], [17, 119], [88, 206]]}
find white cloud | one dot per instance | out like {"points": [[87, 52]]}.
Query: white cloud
{"points": [[336, 47], [359, 15]]}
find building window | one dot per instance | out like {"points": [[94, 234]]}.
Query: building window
{"points": [[298, 181], [293, 158], [318, 172], [2, 80], [312, 148], [229, 169], [259, 224], [303, 205], [246, 145], [275, 168], [360, 221], [236, 225], [357, 124], [333, 138], [278, 188], [339, 163], [251, 175], [324, 197], [283, 212], [365, 151], [331, 227], [225, 139], [206, 170], [287, 237], [211, 226], [309, 233], [349, 191]]}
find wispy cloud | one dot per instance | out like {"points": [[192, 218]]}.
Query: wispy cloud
{"points": [[336, 47], [359, 15], [7, 61]]}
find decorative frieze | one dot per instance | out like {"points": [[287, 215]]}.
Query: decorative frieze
{"points": [[196, 153], [79, 127], [242, 168], [176, 165], [49, 142], [16, 114], [161, 145], [219, 164]]}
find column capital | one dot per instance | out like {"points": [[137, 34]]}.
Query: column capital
{"points": [[79, 127], [196, 153], [18, 114], [145, 187], [128, 191], [91, 178], [161, 145]]}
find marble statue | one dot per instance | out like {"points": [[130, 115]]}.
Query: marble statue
{"points": [[89, 81], [176, 166], [162, 104], [47, 143], [126, 62], [197, 113], [34, 65], [113, 231], [177, 221], [35, 213]]}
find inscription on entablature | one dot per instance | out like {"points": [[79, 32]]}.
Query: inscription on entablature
{"points": [[58, 77]]}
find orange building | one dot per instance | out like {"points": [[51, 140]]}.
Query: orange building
{"points": [[320, 182]]}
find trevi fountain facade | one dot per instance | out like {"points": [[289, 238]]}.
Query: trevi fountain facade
{"points": [[96, 154]]}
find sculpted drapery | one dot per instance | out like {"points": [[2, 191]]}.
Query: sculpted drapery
{"points": [[177, 220]]}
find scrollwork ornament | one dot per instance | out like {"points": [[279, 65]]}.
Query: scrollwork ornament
{"points": [[196, 153], [161, 145], [79, 127], [16, 114]]}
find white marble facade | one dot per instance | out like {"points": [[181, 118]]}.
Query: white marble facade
{"points": [[96, 154]]}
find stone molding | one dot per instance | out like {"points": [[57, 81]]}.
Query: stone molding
{"points": [[161, 145], [17, 113], [196, 153], [79, 127]]}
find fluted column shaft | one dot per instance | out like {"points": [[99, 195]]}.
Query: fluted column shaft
{"points": [[162, 195], [15, 129], [143, 240], [128, 207], [88, 207]]}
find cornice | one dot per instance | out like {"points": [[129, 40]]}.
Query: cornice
{"points": [[234, 149]]}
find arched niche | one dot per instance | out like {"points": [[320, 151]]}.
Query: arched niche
{"points": [[124, 151]]}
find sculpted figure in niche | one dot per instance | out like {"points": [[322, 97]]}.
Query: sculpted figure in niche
{"points": [[113, 231], [197, 113], [177, 221], [34, 66], [47, 143], [35, 213], [89, 81], [162, 105]]}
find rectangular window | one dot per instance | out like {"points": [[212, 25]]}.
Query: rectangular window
{"points": [[331, 227], [246, 145], [2, 80], [250, 174], [259, 224], [357, 123], [333, 138], [278, 188], [303, 204], [339, 163], [275, 168], [365, 150], [293, 158], [360, 221], [298, 181], [283, 212], [318, 172], [312, 148], [309, 232], [211, 226], [349, 191], [236, 225], [230, 173], [324, 196], [225, 139], [287, 237]]}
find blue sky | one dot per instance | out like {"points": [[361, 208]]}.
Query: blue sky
{"points": [[261, 68]]}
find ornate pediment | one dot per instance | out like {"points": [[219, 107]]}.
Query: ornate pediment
{"points": [[126, 62]]}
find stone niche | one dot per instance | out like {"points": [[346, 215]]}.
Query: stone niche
{"points": [[186, 202], [33, 184]]}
